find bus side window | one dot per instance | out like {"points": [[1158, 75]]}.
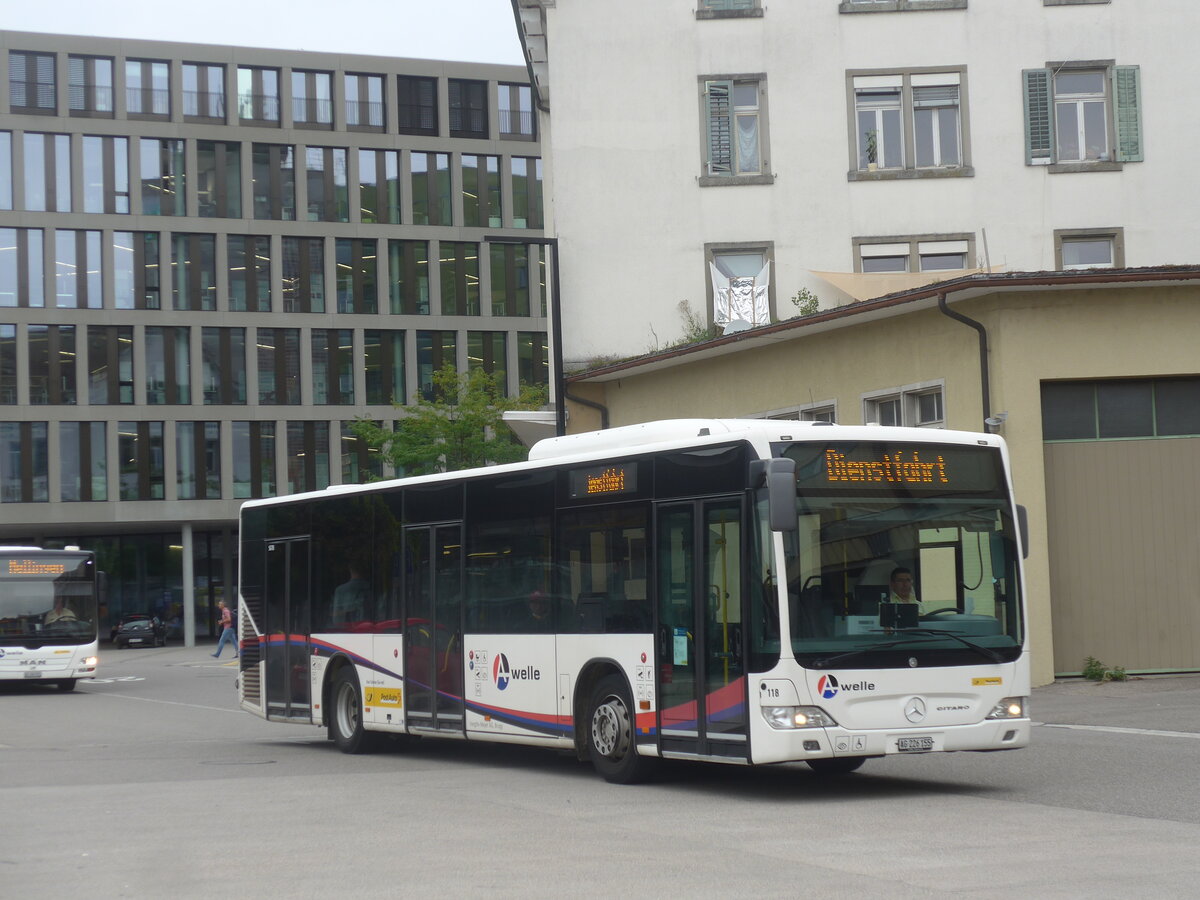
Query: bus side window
{"points": [[590, 608]]}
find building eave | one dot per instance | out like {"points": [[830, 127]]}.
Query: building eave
{"points": [[901, 303]]}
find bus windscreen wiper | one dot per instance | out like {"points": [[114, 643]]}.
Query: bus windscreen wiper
{"points": [[978, 648], [986, 652], [858, 651]]}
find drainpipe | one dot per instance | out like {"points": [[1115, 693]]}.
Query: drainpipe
{"points": [[591, 404], [984, 379]]}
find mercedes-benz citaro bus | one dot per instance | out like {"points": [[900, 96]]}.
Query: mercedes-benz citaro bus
{"points": [[48, 615], [737, 591]]}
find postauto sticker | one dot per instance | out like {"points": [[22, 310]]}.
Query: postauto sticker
{"points": [[382, 696]]}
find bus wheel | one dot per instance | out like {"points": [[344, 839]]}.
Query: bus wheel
{"points": [[838, 765], [345, 724], [610, 734], [67, 684]]}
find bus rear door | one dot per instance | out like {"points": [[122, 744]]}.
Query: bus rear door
{"points": [[286, 627]]}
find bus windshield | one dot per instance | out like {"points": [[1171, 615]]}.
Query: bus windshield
{"points": [[48, 598], [904, 556]]}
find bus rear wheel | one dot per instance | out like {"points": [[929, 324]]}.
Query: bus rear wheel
{"points": [[610, 734], [346, 721], [838, 765]]}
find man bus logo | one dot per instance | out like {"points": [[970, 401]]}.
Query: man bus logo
{"points": [[500, 671], [827, 687]]}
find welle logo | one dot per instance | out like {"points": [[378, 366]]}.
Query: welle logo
{"points": [[503, 673], [828, 686]]}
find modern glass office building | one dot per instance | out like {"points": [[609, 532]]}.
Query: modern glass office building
{"points": [[214, 259]]}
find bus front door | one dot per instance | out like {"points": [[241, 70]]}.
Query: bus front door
{"points": [[433, 663], [701, 675], [286, 652]]}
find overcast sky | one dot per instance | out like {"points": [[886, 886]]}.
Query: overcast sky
{"points": [[463, 30]]}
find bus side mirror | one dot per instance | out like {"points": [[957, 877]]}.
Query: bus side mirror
{"points": [[1023, 524], [779, 477]]}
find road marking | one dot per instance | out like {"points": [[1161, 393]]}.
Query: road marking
{"points": [[170, 702], [1117, 730]]}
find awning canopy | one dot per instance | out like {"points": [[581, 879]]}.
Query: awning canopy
{"points": [[869, 285]]}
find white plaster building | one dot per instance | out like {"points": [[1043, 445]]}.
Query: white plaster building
{"points": [[1016, 135]]}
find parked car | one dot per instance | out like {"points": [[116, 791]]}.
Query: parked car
{"points": [[139, 629]]}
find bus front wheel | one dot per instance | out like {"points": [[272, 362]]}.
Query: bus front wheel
{"points": [[67, 684], [346, 722], [610, 734]]}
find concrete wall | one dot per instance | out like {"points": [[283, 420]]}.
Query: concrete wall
{"points": [[627, 150]]}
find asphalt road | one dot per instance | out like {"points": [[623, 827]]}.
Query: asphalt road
{"points": [[149, 783]]}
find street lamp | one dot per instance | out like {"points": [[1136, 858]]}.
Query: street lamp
{"points": [[555, 309]]}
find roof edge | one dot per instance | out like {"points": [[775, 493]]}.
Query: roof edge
{"points": [[982, 281]]}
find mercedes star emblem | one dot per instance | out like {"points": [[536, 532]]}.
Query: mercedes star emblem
{"points": [[914, 710]]}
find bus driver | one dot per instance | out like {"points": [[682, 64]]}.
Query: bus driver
{"points": [[901, 582]]}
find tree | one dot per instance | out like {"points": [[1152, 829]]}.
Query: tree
{"points": [[460, 428]]}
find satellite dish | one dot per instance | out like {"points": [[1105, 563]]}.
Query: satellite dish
{"points": [[737, 325]]}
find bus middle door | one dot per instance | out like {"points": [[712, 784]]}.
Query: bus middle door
{"points": [[433, 655], [701, 675]]}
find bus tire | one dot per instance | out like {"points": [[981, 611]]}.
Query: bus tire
{"points": [[346, 718], [610, 734], [67, 684], [837, 765]]}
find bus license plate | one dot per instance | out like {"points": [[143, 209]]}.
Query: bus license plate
{"points": [[914, 744], [33, 674]]}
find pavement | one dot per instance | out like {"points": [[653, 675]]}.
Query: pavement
{"points": [[1168, 703]]}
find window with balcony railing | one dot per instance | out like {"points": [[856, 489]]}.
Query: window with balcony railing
{"points": [[468, 108], [204, 91], [364, 101], [258, 95], [515, 111], [147, 88], [312, 101], [31, 82], [417, 105], [90, 85]]}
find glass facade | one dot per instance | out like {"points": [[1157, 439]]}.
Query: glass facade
{"points": [[291, 293]]}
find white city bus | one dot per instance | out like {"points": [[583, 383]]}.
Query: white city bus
{"points": [[696, 589], [48, 615]]}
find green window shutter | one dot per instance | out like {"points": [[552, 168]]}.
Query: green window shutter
{"points": [[1127, 102], [718, 102], [1039, 117]]}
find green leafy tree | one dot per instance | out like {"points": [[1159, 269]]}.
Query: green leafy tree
{"points": [[462, 427]]}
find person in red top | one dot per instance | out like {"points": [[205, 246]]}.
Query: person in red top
{"points": [[227, 634]]}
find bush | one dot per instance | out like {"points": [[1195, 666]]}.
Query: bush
{"points": [[1094, 670]]}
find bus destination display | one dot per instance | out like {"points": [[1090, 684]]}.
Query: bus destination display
{"points": [[602, 481], [33, 567], [896, 467], [906, 468]]}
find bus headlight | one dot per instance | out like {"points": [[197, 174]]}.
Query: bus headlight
{"points": [[90, 661], [787, 717], [1010, 708]]}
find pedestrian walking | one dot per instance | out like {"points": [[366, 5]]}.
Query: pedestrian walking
{"points": [[227, 634]]}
